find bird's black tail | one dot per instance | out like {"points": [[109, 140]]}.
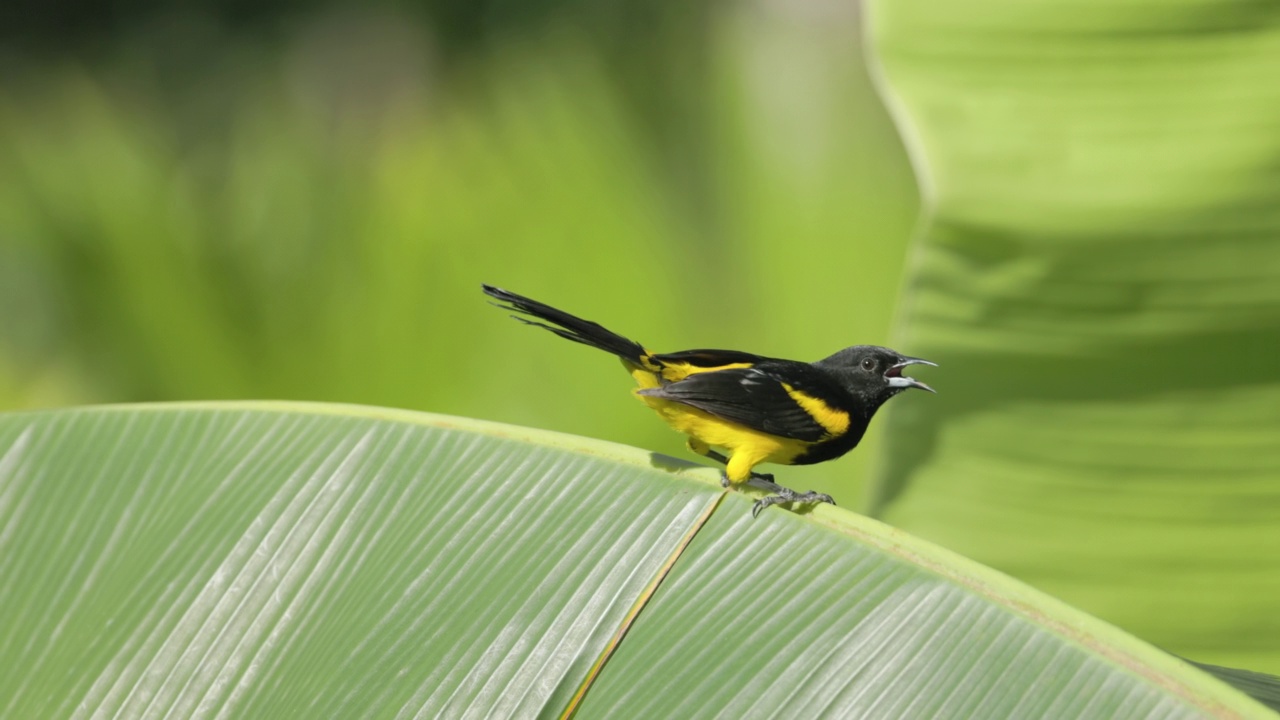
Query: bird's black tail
{"points": [[567, 326]]}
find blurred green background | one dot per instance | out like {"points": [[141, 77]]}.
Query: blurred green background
{"points": [[300, 200]]}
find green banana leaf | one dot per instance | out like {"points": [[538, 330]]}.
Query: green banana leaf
{"points": [[277, 560], [1260, 686], [1100, 280]]}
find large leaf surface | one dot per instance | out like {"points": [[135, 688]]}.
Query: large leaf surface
{"points": [[783, 617], [1100, 280], [276, 565], [302, 561]]}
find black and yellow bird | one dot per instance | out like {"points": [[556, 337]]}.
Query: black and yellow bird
{"points": [[757, 409]]}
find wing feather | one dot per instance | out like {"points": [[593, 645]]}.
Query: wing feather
{"points": [[762, 397]]}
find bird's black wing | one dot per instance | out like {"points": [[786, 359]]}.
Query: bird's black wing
{"points": [[709, 358], [770, 397]]}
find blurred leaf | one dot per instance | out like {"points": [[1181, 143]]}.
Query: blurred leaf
{"points": [[268, 560], [310, 217], [1100, 282]]}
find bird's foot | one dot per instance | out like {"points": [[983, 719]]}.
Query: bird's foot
{"points": [[780, 495], [789, 496]]}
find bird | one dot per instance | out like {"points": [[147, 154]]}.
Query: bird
{"points": [[756, 409]]}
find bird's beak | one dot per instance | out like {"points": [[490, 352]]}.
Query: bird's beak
{"points": [[897, 379]]}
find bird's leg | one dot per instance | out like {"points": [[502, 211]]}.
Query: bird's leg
{"points": [[783, 495], [760, 480], [758, 477], [705, 450], [762, 477]]}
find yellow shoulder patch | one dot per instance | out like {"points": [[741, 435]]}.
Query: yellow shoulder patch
{"points": [[835, 422], [678, 371], [649, 373]]}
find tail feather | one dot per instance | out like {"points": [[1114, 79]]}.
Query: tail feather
{"points": [[568, 326]]}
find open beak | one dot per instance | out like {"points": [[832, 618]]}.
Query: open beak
{"points": [[897, 379]]}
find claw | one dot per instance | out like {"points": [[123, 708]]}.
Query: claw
{"points": [[763, 503], [789, 496]]}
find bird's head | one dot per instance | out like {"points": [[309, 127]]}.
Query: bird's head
{"points": [[874, 373]]}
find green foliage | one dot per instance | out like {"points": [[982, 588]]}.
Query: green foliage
{"points": [[314, 222], [1260, 686], [310, 217], [1101, 284], [261, 560]]}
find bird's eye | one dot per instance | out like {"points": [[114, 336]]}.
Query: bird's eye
{"points": [[869, 364]]}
